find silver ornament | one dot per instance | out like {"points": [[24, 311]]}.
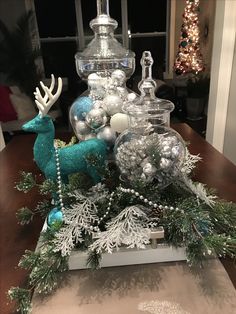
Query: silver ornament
{"points": [[175, 151], [166, 151], [165, 163], [98, 104], [89, 136], [112, 104], [96, 118], [122, 91], [149, 169], [81, 129], [118, 77], [108, 135]]}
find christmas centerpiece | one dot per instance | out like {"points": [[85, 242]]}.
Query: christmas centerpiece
{"points": [[125, 188]]}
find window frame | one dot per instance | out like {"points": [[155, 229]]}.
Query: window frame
{"points": [[81, 38]]}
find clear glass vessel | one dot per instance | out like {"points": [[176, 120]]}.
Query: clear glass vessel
{"points": [[105, 64], [149, 150]]}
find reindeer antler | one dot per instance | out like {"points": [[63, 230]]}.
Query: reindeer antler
{"points": [[46, 102]]}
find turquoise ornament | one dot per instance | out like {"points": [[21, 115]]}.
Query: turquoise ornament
{"points": [[54, 216], [81, 107], [183, 44], [72, 159]]}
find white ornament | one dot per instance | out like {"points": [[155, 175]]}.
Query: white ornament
{"points": [[96, 118], [119, 122], [94, 80], [131, 96], [108, 135], [112, 104]]}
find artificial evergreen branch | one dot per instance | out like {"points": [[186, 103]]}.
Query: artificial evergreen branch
{"points": [[24, 215], [93, 260], [26, 183], [22, 297], [78, 218], [126, 228]]}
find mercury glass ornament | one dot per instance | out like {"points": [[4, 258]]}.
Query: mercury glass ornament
{"points": [[149, 151], [106, 65]]}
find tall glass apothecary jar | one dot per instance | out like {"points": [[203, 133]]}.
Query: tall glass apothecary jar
{"points": [[149, 150], [106, 65]]}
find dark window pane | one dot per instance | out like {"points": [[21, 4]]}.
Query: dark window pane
{"points": [[56, 18], [147, 16], [157, 47], [59, 59]]}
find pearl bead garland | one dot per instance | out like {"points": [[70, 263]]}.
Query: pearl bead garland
{"points": [[96, 228], [146, 201], [59, 179]]}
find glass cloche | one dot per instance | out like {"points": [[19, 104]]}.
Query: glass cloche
{"points": [[149, 150]]}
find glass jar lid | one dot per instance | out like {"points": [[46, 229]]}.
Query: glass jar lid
{"points": [[104, 53], [148, 105]]}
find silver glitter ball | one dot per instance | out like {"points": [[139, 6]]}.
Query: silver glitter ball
{"points": [[96, 118], [108, 135]]}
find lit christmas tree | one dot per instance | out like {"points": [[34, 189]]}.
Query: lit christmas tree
{"points": [[189, 58]]}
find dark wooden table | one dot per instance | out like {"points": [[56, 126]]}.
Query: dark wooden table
{"points": [[214, 170]]}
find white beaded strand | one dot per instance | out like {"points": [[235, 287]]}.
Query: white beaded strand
{"points": [[59, 183], [146, 201]]}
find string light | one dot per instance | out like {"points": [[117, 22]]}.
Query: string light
{"points": [[189, 58]]}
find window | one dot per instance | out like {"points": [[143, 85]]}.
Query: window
{"points": [[65, 30]]}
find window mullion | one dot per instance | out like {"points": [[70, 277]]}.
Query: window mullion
{"points": [[124, 19], [80, 27]]}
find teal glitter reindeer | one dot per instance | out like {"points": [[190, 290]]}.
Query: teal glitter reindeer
{"points": [[72, 159]]}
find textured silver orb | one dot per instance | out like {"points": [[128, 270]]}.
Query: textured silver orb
{"points": [[96, 118], [112, 104], [118, 77], [108, 135]]}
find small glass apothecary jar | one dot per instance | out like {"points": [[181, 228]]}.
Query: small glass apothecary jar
{"points": [[149, 150]]}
